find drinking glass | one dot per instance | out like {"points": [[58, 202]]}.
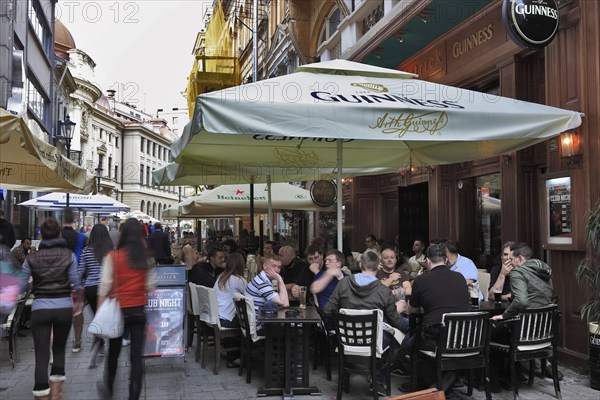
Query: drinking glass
{"points": [[302, 296], [497, 297]]}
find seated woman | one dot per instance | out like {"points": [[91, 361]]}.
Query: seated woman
{"points": [[229, 282]]}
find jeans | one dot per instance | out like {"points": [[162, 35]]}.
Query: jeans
{"points": [[135, 323], [43, 323]]}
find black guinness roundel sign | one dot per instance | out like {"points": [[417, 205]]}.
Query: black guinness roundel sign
{"points": [[531, 24], [323, 193]]}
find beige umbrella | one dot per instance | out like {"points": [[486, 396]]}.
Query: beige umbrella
{"points": [[28, 163]]}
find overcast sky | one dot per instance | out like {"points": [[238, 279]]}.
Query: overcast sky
{"points": [[141, 48]]}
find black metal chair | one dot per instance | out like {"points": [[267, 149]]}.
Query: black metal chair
{"points": [[244, 308], [324, 339], [463, 344], [534, 336], [358, 333]]}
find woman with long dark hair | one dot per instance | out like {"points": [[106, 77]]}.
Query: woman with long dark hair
{"points": [[127, 275], [90, 269], [229, 282], [54, 273]]}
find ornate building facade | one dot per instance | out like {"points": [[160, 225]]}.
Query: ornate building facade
{"points": [[483, 203]]}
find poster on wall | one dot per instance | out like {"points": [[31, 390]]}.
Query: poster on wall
{"points": [[558, 205], [165, 312]]}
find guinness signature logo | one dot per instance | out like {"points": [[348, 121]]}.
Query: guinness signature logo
{"points": [[373, 87], [297, 157], [430, 122]]}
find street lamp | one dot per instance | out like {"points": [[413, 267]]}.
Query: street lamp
{"points": [[99, 170], [65, 132]]}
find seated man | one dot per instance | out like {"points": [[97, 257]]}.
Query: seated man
{"points": [[437, 292], [261, 290], [499, 276], [291, 266], [206, 273], [530, 282], [325, 281], [460, 263], [364, 291], [530, 286], [314, 264]]}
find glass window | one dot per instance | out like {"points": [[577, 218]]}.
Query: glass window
{"points": [[141, 174], [110, 166], [35, 100], [117, 142], [142, 145], [116, 172], [488, 218]]}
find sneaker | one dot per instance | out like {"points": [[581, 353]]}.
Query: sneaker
{"points": [[125, 342], [381, 389], [76, 346]]}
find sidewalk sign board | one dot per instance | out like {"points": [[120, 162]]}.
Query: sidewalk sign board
{"points": [[165, 313]]}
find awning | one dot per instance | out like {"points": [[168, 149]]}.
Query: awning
{"points": [[229, 200], [28, 163], [97, 203]]}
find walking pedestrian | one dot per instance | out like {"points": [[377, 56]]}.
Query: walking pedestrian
{"points": [[127, 275], [54, 273], [90, 270]]}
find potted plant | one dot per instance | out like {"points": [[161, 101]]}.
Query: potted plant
{"points": [[588, 276]]}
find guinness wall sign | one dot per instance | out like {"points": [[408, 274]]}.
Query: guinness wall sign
{"points": [[323, 193], [531, 24]]}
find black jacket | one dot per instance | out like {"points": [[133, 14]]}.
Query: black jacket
{"points": [[50, 269]]}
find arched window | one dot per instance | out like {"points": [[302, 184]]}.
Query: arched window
{"points": [[142, 206], [159, 210], [154, 210], [330, 25], [148, 208]]}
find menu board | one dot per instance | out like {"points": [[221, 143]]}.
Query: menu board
{"points": [[165, 312], [558, 203]]}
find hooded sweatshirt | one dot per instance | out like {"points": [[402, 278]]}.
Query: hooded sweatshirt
{"points": [[364, 296], [531, 287]]}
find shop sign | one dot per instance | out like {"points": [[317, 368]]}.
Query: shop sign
{"points": [[531, 24]]}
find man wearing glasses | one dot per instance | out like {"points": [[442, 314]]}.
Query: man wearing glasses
{"points": [[326, 280]]}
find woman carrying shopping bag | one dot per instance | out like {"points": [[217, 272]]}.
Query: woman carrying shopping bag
{"points": [[127, 276]]}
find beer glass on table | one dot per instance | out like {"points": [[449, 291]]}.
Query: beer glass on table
{"points": [[302, 296]]}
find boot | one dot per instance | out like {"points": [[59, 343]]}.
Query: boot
{"points": [[56, 387], [41, 394]]}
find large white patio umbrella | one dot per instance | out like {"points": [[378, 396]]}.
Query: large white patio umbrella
{"points": [[233, 200], [96, 203], [28, 163], [292, 127]]}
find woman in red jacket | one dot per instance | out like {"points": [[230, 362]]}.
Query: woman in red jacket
{"points": [[128, 274]]}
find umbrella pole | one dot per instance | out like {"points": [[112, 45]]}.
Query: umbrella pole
{"points": [[339, 194], [252, 241], [270, 221]]}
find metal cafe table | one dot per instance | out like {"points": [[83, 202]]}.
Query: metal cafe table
{"points": [[492, 308], [287, 339]]}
